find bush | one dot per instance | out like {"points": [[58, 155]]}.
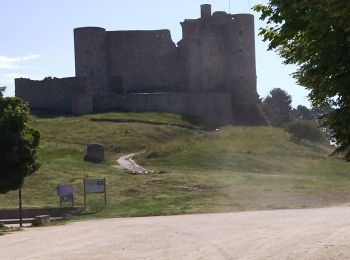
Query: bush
{"points": [[301, 129]]}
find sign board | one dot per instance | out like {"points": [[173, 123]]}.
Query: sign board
{"points": [[94, 186], [66, 193], [65, 190]]}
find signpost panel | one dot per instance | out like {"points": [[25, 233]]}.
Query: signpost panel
{"points": [[66, 193], [95, 186]]}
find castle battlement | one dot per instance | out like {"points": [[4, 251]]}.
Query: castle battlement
{"points": [[215, 55]]}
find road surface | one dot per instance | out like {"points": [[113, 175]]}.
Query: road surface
{"points": [[281, 234]]}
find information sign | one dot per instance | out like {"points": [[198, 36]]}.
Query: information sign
{"points": [[66, 193], [95, 186]]}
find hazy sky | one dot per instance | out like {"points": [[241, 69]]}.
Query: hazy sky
{"points": [[37, 35]]}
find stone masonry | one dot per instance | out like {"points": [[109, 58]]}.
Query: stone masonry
{"points": [[210, 73]]}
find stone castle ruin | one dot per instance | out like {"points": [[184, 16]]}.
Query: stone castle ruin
{"points": [[210, 73]]}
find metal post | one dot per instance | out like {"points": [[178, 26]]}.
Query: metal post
{"points": [[84, 196], [105, 191], [20, 207]]}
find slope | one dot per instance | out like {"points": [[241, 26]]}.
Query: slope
{"points": [[230, 169]]}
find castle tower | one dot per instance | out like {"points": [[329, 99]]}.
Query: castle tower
{"points": [[205, 11], [240, 55], [218, 53], [240, 59], [91, 57]]}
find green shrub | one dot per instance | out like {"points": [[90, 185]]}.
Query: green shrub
{"points": [[308, 130]]}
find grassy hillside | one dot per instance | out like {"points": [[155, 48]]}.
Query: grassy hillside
{"points": [[234, 168]]}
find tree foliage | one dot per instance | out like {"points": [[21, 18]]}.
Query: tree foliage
{"points": [[277, 107], [2, 90], [303, 129], [315, 35], [18, 143], [302, 113]]}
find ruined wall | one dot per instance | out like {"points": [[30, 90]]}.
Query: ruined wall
{"points": [[146, 61], [64, 95], [211, 108]]}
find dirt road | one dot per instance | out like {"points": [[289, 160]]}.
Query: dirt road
{"points": [[282, 234]]}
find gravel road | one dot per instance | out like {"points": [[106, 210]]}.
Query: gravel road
{"points": [[127, 163], [281, 234]]}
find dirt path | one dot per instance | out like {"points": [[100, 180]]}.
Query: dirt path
{"points": [[127, 163], [282, 234]]}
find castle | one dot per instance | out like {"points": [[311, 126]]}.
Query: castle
{"points": [[210, 73]]}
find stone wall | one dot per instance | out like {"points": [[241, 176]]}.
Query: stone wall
{"points": [[145, 60], [105, 101], [64, 95], [6, 214], [212, 108]]}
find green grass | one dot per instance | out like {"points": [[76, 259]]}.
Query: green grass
{"points": [[233, 169]]}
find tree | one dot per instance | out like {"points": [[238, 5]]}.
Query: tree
{"points": [[302, 113], [277, 107], [302, 129], [18, 143], [315, 35], [2, 90], [319, 113]]}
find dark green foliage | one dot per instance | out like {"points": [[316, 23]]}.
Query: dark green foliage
{"points": [[308, 130], [302, 113], [319, 112], [339, 121], [277, 107], [2, 90], [315, 35], [18, 143]]}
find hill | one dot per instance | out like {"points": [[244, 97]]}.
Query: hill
{"points": [[192, 170]]}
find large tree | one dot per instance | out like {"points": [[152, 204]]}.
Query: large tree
{"points": [[277, 107], [315, 35], [18, 143], [302, 113]]}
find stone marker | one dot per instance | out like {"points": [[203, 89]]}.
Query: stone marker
{"points": [[95, 153], [41, 220]]}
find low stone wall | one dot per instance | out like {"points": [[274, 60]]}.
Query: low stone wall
{"points": [[31, 213], [81, 104], [70, 95], [64, 95], [214, 109], [105, 101]]}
